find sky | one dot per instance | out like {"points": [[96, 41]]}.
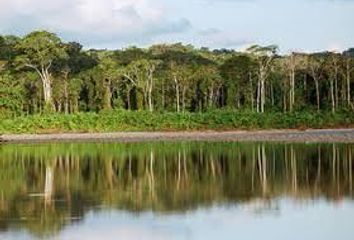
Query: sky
{"points": [[293, 25]]}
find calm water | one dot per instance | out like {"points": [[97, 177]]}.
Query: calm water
{"points": [[177, 191]]}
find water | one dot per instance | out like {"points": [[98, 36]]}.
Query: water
{"points": [[177, 191]]}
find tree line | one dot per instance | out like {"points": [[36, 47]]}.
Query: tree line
{"points": [[41, 73]]}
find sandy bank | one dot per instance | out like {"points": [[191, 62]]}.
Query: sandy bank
{"points": [[323, 135]]}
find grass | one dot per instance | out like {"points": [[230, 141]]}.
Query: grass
{"points": [[121, 120]]}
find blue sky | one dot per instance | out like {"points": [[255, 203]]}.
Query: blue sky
{"points": [[302, 25]]}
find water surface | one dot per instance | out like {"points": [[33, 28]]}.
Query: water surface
{"points": [[184, 190]]}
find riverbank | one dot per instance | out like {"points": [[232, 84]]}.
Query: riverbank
{"points": [[313, 135]]}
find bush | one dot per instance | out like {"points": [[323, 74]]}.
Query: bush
{"points": [[109, 121]]}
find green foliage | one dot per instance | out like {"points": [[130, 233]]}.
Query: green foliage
{"points": [[122, 120], [11, 96], [42, 74], [40, 48]]}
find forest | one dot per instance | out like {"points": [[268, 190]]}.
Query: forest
{"points": [[42, 74]]}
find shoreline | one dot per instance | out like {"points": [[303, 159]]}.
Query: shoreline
{"points": [[308, 136]]}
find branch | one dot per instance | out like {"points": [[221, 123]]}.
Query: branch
{"points": [[35, 68], [49, 65], [129, 78]]}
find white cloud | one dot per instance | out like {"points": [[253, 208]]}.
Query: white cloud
{"points": [[216, 23], [104, 20]]}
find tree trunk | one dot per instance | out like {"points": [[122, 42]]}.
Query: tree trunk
{"points": [[47, 92], [292, 90], [128, 99], [211, 96], [59, 106], [284, 100], [151, 107], [177, 94], [150, 86], [66, 97], [184, 99], [317, 93], [258, 95], [107, 95], [251, 92], [336, 88], [272, 94], [66, 93], [262, 79], [163, 96], [348, 83], [332, 95], [145, 99], [238, 98], [262, 95]]}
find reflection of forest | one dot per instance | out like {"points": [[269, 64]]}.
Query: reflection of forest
{"points": [[44, 187]]}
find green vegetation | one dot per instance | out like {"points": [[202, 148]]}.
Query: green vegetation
{"points": [[185, 87], [147, 121]]}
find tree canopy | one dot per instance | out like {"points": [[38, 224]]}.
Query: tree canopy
{"points": [[51, 74]]}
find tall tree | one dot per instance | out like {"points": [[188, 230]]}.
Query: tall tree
{"points": [[39, 50], [291, 64], [349, 69], [316, 63], [181, 76], [140, 73], [238, 73], [264, 56], [110, 72], [334, 64]]}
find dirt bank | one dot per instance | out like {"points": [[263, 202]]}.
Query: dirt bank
{"points": [[323, 135]]}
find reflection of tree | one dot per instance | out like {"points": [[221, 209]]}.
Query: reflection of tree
{"points": [[262, 167], [350, 169], [293, 169], [48, 188], [162, 177]]}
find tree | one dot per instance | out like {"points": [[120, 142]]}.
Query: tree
{"points": [[264, 56], [66, 71], [11, 95], [2, 53], [349, 68], [316, 65], [291, 64], [38, 51], [7, 47], [7, 51], [238, 72], [334, 64], [140, 73], [209, 83], [172, 77], [110, 73], [181, 78]]}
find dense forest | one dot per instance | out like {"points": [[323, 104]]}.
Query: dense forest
{"points": [[40, 73]]}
